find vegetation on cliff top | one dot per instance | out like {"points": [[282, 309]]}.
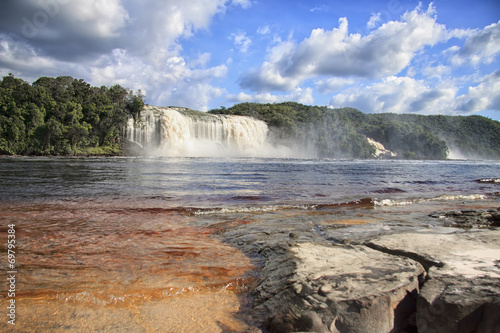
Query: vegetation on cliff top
{"points": [[63, 116], [67, 116], [343, 132]]}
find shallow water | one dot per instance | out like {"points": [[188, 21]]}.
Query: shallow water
{"points": [[112, 258], [134, 244]]}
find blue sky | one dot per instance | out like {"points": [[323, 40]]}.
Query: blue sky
{"points": [[399, 56]]}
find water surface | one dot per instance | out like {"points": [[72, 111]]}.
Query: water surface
{"points": [[134, 244]]}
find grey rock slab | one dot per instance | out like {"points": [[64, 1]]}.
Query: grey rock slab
{"points": [[334, 288], [462, 293]]}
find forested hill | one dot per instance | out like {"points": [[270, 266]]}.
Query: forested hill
{"points": [[67, 116], [63, 116], [343, 132]]}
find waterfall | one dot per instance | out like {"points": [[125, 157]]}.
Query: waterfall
{"points": [[184, 132]]}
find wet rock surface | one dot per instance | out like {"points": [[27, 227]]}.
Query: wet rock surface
{"points": [[393, 278], [339, 289], [462, 291], [470, 218]]}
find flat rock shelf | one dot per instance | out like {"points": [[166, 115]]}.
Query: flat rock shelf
{"points": [[418, 279]]}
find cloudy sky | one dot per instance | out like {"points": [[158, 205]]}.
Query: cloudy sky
{"points": [[399, 56]]}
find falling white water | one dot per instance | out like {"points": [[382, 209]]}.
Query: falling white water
{"points": [[182, 132]]}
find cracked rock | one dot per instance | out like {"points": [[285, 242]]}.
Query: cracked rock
{"points": [[320, 288], [462, 294]]}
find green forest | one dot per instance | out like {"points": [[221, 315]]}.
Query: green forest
{"points": [[63, 116], [343, 133], [67, 116]]}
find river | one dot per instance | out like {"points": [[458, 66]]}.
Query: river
{"points": [[134, 243]]}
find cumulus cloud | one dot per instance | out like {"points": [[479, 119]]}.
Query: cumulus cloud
{"points": [[140, 45], [409, 95], [384, 51], [268, 77], [437, 71], [397, 95], [156, 26], [170, 84], [241, 41], [98, 18], [373, 21], [242, 3], [481, 46], [135, 44], [65, 30], [264, 30], [484, 96], [333, 84], [304, 96], [22, 59], [184, 93], [72, 30]]}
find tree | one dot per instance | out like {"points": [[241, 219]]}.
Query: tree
{"points": [[135, 104], [62, 115], [343, 132]]}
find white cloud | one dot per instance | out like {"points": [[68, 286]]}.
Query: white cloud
{"points": [[385, 51], [193, 95], [484, 96], [373, 21], [168, 85], [304, 96], [207, 74], [41, 20], [268, 77], [100, 18], [437, 71], [481, 46], [318, 9], [333, 83], [23, 60], [160, 24], [408, 95], [139, 44], [121, 68], [397, 95], [241, 41], [202, 60], [264, 30], [242, 3], [131, 43]]}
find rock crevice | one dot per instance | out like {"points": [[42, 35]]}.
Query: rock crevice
{"points": [[462, 293], [326, 288], [412, 280]]}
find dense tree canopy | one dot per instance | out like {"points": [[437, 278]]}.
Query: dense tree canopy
{"points": [[63, 115], [67, 116], [344, 132]]}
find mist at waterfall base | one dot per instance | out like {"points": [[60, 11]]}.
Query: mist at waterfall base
{"points": [[174, 132]]}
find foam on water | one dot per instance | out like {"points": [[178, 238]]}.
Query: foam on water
{"points": [[406, 202]]}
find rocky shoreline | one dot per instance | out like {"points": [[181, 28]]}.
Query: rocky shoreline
{"points": [[439, 279]]}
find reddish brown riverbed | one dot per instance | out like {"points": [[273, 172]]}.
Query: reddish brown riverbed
{"points": [[147, 244], [84, 266]]}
